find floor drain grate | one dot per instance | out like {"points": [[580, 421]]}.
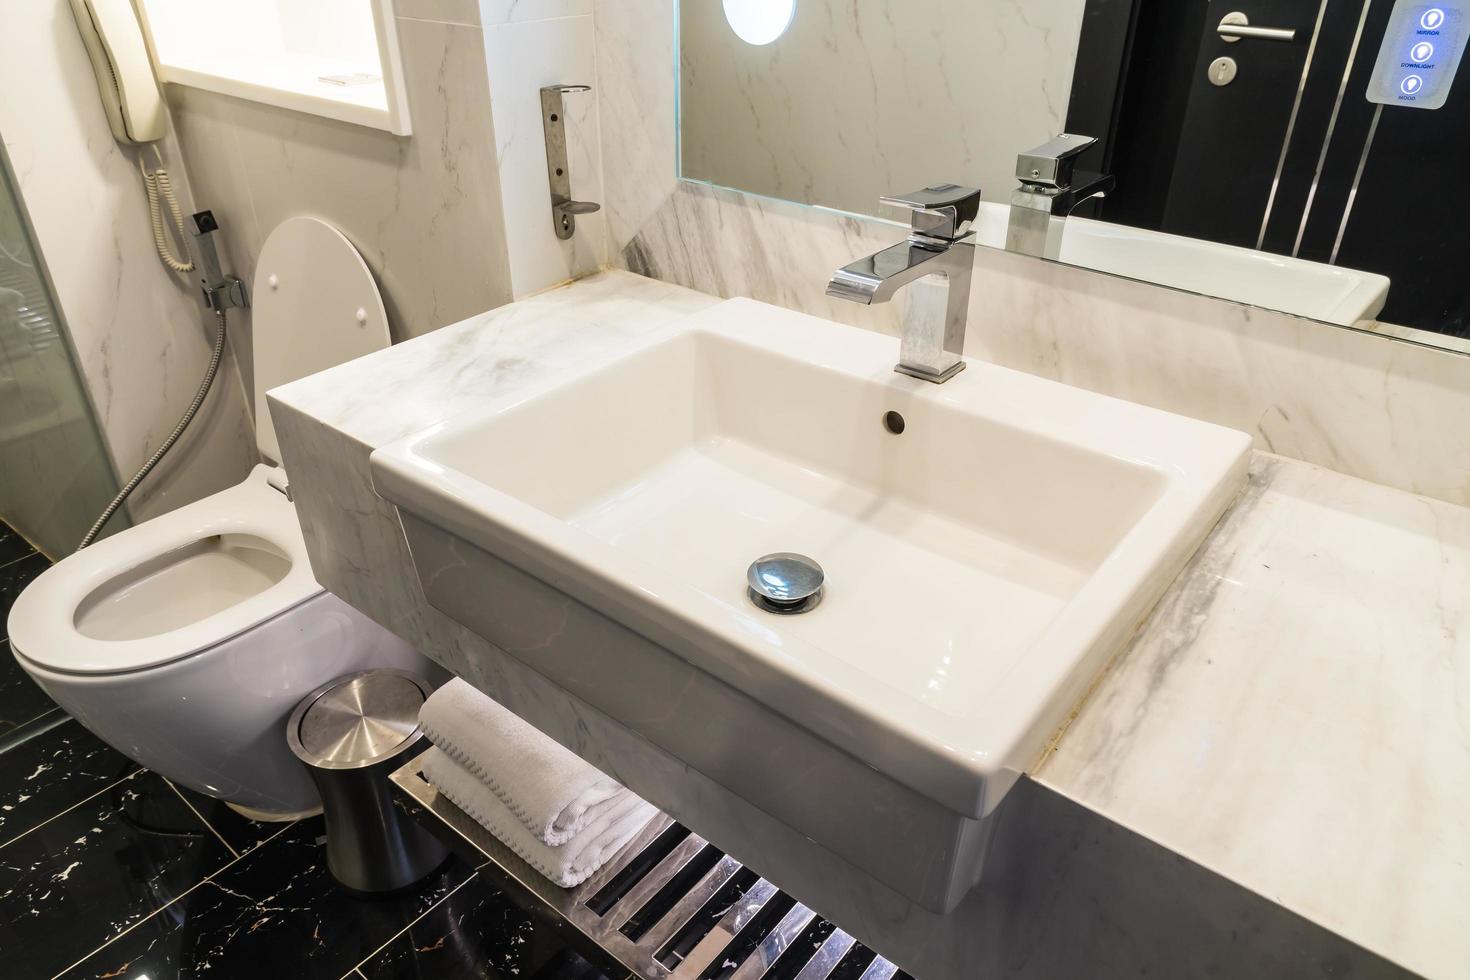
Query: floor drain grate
{"points": [[696, 913]]}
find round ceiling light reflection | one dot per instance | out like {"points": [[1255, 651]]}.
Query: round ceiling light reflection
{"points": [[759, 21]]}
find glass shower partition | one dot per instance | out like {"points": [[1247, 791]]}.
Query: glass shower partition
{"points": [[55, 475]]}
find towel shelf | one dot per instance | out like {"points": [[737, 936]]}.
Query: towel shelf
{"points": [[688, 905]]}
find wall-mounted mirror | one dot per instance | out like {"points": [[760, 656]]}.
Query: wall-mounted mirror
{"points": [[1306, 156]]}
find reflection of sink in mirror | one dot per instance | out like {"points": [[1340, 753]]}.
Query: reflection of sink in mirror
{"points": [[987, 545], [1276, 282], [1312, 169]]}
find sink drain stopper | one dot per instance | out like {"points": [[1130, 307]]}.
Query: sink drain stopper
{"points": [[785, 583]]}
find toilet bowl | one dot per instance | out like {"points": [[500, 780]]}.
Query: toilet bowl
{"points": [[186, 641]]}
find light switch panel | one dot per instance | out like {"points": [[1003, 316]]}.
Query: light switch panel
{"points": [[1421, 53]]}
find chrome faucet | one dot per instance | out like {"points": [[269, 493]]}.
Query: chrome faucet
{"points": [[938, 245], [1050, 189]]}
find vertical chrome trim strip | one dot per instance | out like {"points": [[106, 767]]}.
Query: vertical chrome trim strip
{"points": [[1347, 72], [1352, 197], [1296, 106]]}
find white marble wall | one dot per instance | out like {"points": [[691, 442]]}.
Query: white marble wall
{"points": [[1353, 402], [843, 107], [424, 210], [528, 45], [139, 331]]}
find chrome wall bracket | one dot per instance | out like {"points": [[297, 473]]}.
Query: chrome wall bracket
{"points": [[564, 210]]}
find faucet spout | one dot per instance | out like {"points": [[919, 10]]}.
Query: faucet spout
{"points": [[877, 277], [938, 245]]}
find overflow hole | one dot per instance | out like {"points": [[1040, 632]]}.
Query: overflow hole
{"points": [[893, 422]]}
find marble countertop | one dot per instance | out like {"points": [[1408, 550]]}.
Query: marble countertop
{"points": [[1295, 715]]}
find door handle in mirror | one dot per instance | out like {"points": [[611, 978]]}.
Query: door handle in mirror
{"points": [[1236, 25]]}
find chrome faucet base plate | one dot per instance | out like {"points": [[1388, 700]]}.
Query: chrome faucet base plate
{"points": [[937, 378]]}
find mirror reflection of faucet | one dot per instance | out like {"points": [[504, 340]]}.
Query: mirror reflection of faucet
{"points": [[1051, 188]]}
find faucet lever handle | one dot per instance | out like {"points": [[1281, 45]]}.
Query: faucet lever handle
{"points": [[1051, 163], [942, 211]]}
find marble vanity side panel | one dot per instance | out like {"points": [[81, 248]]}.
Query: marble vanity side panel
{"points": [[1335, 777], [141, 336], [424, 210], [522, 56], [1067, 892], [1344, 399]]}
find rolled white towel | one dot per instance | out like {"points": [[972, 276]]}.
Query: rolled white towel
{"points": [[551, 790], [567, 865]]}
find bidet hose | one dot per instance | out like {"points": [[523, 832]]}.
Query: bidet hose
{"points": [[173, 437]]}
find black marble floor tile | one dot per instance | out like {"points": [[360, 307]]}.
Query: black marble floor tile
{"points": [[52, 772], [21, 701], [13, 578], [74, 883], [240, 833], [275, 913], [479, 933], [13, 546]]}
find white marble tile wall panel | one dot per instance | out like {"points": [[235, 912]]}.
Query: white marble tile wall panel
{"points": [[510, 11], [1295, 713], [522, 55], [424, 210], [1068, 892], [1347, 400], [465, 12], [141, 335], [846, 105]]}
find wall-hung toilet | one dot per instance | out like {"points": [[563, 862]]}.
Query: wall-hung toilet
{"points": [[187, 640]]}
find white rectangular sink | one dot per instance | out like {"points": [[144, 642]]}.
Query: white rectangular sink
{"points": [[982, 566]]}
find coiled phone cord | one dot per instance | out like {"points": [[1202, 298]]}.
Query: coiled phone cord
{"points": [[160, 192]]}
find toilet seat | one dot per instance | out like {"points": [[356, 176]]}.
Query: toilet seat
{"points": [[61, 623], [185, 641], [189, 580]]}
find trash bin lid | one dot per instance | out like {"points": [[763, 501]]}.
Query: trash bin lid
{"points": [[357, 720]]}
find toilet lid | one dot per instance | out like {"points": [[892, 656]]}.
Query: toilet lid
{"points": [[315, 306]]}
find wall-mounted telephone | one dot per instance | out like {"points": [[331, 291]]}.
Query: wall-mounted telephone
{"points": [[114, 41]]}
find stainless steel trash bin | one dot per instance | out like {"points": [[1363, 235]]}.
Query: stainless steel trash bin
{"points": [[351, 733]]}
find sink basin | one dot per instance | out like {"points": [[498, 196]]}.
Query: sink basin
{"points": [[982, 565]]}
